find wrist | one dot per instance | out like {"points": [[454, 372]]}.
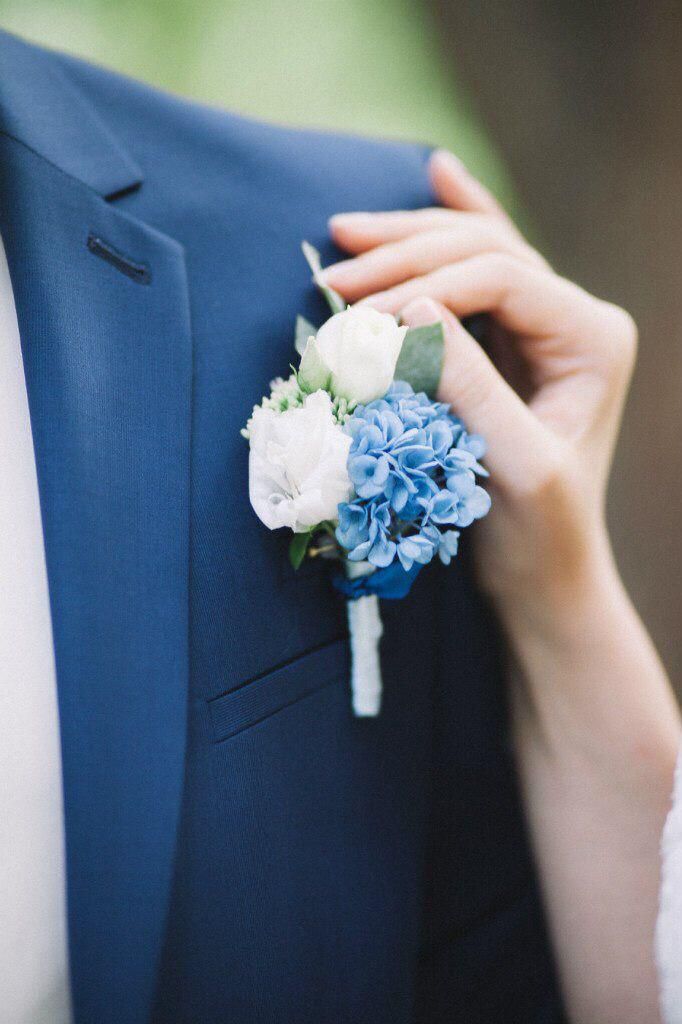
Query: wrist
{"points": [[593, 685], [562, 597], [549, 594]]}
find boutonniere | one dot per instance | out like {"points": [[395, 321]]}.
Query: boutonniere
{"points": [[353, 456]]}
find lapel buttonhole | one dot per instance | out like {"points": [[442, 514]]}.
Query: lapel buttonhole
{"points": [[139, 272]]}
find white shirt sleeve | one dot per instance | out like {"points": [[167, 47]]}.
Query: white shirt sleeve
{"points": [[34, 983], [669, 926]]}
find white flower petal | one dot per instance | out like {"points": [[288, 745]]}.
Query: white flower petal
{"points": [[361, 347], [298, 465]]}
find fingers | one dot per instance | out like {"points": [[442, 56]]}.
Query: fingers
{"points": [[453, 186], [394, 262], [481, 396], [358, 232], [529, 301], [392, 246], [457, 189]]}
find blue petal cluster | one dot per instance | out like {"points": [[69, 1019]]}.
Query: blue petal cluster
{"points": [[414, 468]]}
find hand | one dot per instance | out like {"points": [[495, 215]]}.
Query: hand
{"points": [[594, 720], [550, 455]]}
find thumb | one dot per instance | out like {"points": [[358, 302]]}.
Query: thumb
{"points": [[480, 395]]}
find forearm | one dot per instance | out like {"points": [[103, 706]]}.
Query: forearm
{"points": [[597, 735], [595, 722]]}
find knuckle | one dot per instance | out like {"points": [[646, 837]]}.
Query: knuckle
{"points": [[466, 381], [623, 336], [475, 389], [503, 239], [395, 252], [422, 253], [469, 234], [630, 332], [547, 482], [502, 272], [480, 221], [491, 230], [498, 270], [500, 265]]}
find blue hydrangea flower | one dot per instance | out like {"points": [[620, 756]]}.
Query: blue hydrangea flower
{"points": [[364, 531], [449, 543], [416, 548], [369, 474], [414, 469]]}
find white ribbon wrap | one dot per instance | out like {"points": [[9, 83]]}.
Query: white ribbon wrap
{"points": [[364, 623]]}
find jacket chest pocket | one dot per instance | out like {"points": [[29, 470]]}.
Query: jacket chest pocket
{"points": [[280, 688]]}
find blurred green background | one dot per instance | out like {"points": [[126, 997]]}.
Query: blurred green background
{"points": [[368, 67]]}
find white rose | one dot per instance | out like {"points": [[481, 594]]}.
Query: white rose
{"points": [[361, 348], [298, 465]]}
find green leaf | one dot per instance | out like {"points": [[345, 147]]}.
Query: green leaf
{"points": [[336, 303], [313, 373], [304, 330], [298, 547], [421, 358]]}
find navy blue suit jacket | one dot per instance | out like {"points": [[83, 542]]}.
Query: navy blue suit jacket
{"points": [[239, 848]]}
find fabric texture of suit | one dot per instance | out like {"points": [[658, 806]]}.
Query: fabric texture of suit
{"points": [[239, 847]]}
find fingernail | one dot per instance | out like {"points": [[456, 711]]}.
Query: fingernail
{"points": [[445, 156], [337, 271], [347, 220], [373, 301], [421, 311]]}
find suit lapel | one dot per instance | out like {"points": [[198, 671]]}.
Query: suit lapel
{"points": [[108, 367]]}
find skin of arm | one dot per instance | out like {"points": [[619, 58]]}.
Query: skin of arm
{"points": [[595, 723]]}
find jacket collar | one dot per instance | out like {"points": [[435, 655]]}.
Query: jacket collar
{"points": [[43, 109]]}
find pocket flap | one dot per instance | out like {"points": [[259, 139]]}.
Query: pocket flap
{"points": [[276, 689]]}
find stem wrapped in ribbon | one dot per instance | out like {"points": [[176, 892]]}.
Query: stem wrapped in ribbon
{"points": [[363, 467], [362, 586], [366, 629]]}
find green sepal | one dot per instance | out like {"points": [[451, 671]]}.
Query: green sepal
{"points": [[298, 548], [421, 358], [304, 330], [336, 303], [313, 373]]}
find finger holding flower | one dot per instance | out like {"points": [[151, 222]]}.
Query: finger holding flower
{"points": [[553, 450]]}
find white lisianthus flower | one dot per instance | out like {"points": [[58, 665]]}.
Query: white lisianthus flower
{"points": [[298, 472], [361, 348]]}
